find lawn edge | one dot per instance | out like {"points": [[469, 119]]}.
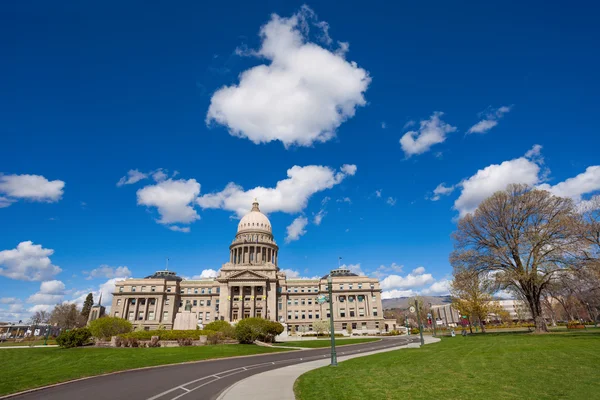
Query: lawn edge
{"points": [[316, 348], [37, 389]]}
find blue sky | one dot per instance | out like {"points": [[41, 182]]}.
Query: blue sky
{"points": [[356, 114]]}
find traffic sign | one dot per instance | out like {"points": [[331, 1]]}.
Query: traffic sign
{"points": [[412, 309], [322, 299]]}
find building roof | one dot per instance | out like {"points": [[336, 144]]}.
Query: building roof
{"points": [[255, 221], [166, 275], [339, 272]]}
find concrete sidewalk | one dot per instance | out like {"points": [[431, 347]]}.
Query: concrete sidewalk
{"points": [[29, 347], [278, 384]]}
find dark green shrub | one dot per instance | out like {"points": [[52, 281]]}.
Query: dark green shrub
{"points": [[215, 337], [245, 334], [74, 338], [249, 330], [106, 327]]}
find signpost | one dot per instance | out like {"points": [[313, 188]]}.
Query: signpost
{"points": [[419, 320], [331, 324]]}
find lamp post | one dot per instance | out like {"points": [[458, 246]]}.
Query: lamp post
{"points": [[331, 324], [432, 319], [419, 321], [47, 334]]}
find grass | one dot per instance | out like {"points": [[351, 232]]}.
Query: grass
{"points": [[29, 368], [314, 344], [492, 366], [27, 343]]}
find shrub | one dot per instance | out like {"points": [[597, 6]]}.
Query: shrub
{"points": [[106, 327], [215, 337], [414, 331], [184, 342], [249, 330], [166, 335], [221, 326], [74, 338], [154, 342]]}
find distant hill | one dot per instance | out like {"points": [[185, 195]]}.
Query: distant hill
{"points": [[402, 302]]}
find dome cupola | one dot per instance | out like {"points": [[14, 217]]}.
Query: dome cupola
{"points": [[254, 221]]}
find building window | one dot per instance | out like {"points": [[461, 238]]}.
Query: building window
{"points": [[342, 299], [143, 288], [342, 312], [141, 315], [208, 316], [350, 286], [200, 316], [182, 291], [201, 303], [153, 288], [131, 315], [344, 326], [121, 289], [289, 302], [203, 290], [167, 301], [341, 286], [150, 315], [195, 290], [119, 302], [209, 290], [302, 290], [295, 302], [218, 290], [317, 316], [133, 288], [360, 285], [361, 312], [289, 316], [195, 303], [377, 325], [165, 316], [116, 314], [208, 303], [309, 315], [309, 302], [303, 302], [152, 302], [295, 314], [361, 298], [143, 302], [351, 299], [374, 311], [295, 290], [352, 313], [372, 286], [133, 301], [279, 306], [364, 325], [169, 290], [354, 325]]}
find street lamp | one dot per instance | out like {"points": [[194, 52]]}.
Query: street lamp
{"points": [[331, 324], [433, 320], [419, 320]]}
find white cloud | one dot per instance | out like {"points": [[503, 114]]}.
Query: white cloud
{"points": [[9, 300], [41, 307], [318, 218], [29, 187], [344, 200], [584, 183], [384, 270], [493, 178], [430, 132], [383, 125], [354, 268], [106, 271], [289, 195], [439, 288], [174, 200], [291, 273], [348, 169], [206, 274], [51, 292], [391, 201], [301, 97], [490, 119], [534, 153], [296, 229], [185, 229], [392, 294], [441, 190], [378, 193], [417, 278], [133, 176], [28, 262]]}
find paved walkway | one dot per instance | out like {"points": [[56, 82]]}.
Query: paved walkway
{"points": [[278, 384], [28, 347]]}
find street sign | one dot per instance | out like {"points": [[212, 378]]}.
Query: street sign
{"points": [[411, 309], [322, 299]]}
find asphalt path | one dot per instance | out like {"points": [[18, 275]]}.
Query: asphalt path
{"points": [[203, 380]]}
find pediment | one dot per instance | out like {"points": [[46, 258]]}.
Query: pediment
{"points": [[245, 275]]}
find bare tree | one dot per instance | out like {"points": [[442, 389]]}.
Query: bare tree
{"points": [[65, 316], [525, 237]]}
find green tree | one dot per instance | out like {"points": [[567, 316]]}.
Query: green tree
{"points": [[472, 294], [87, 306], [321, 327], [106, 327]]}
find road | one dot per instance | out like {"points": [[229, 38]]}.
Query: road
{"points": [[202, 380]]}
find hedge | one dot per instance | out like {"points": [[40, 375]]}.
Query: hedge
{"points": [[74, 337]]}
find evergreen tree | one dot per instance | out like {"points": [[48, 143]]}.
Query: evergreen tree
{"points": [[87, 306]]}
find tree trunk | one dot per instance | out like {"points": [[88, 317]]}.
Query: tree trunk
{"points": [[482, 326], [535, 306]]}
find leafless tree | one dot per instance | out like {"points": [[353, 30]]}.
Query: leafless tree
{"points": [[525, 237], [65, 316]]}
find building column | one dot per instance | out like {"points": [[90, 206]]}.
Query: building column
{"points": [[137, 308], [271, 303], [159, 309], [224, 302], [147, 300]]}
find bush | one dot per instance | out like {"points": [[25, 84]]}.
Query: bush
{"points": [[154, 342], [221, 326], [106, 327], [414, 331], [215, 337], [166, 335], [249, 330], [74, 338], [184, 342]]}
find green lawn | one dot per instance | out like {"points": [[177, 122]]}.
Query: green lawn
{"points": [[313, 344], [490, 366], [28, 368]]}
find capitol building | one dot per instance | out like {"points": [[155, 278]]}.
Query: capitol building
{"points": [[251, 284]]}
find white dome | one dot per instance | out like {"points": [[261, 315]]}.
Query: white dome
{"points": [[254, 221]]}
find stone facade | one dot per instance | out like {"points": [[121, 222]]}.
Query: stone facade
{"points": [[251, 284]]}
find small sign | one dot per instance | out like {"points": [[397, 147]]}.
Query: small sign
{"points": [[322, 299], [412, 309]]}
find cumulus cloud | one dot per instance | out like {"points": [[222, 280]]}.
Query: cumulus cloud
{"points": [[354, 268], [417, 278], [384, 270], [391, 201], [441, 190], [493, 178], [296, 229], [439, 288], [291, 273], [300, 97], [29, 187], [395, 293], [106, 271], [184, 229], [51, 292], [174, 200], [378, 193], [577, 186], [9, 300], [490, 119], [348, 169], [28, 262], [206, 274], [430, 132], [290, 195]]}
